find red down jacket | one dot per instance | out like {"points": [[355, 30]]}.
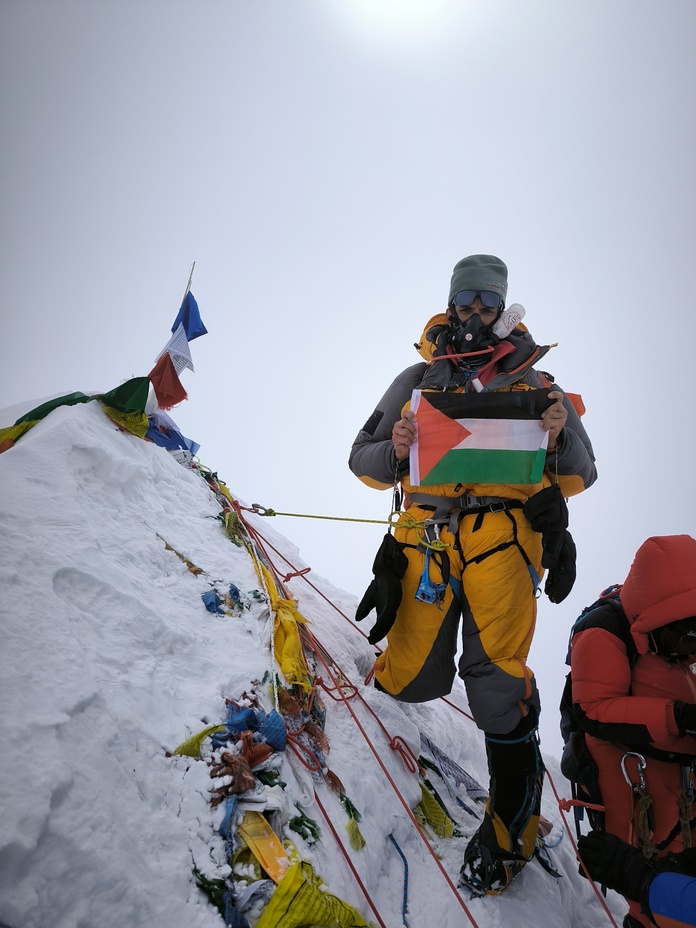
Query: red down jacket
{"points": [[627, 693]]}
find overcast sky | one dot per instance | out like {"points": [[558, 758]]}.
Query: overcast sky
{"points": [[326, 163]]}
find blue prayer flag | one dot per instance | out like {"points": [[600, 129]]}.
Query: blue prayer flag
{"points": [[190, 318]]}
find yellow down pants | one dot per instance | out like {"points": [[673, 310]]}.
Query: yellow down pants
{"points": [[493, 595]]}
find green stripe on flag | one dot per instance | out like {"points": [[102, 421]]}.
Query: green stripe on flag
{"points": [[480, 465]]}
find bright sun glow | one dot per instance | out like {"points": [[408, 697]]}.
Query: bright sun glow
{"points": [[399, 23]]}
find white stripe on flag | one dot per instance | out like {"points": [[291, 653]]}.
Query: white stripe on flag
{"points": [[503, 435]]}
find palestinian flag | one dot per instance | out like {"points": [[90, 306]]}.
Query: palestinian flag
{"points": [[479, 437]]}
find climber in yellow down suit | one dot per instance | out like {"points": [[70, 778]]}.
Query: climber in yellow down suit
{"points": [[474, 549]]}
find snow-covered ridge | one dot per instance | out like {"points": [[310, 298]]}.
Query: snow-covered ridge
{"points": [[110, 660]]}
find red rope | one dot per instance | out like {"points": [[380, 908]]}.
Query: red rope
{"points": [[412, 765], [410, 762], [457, 708], [575, 846], [397, 744], [404, 757], [355, 873], [297, 747], [565, 805], [297, 573], [302, 573], [344, 690], [258, 540]]}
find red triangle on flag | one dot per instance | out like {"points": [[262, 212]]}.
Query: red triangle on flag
{"points": [[437, 434]]}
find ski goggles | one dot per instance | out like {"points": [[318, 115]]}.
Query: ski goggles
{"points": [[489, 298]]}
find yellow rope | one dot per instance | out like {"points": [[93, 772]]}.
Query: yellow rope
{"points": [[262, 511], [406, 522], [644, 833], [436, 545]]}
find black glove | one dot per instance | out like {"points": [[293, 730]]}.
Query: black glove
{"points": [[679, 862], [561, 576], [547, 512], [685, 717], [616, 864], [384, 593]]}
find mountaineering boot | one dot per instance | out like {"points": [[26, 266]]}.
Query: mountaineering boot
{"points": [[506, 839]]}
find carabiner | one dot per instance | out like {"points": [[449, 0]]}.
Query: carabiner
{"points": [[436, 544], [640, 785], [261, 510]]}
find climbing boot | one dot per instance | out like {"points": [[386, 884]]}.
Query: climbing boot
{"points": [[487, 871], [507, 836]]}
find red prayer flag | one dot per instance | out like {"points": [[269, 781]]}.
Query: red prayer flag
{"points": [[166, 383]]}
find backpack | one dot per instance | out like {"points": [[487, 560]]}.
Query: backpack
{"points": [[577, 764]]}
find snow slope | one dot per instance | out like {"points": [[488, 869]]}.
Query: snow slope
{"points": [[110, 660]]}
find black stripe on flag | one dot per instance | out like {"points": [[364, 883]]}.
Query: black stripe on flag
{"points": [[512, 404]]}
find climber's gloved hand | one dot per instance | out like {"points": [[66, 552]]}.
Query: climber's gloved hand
{"points": [[561, 575], [547, 513], [616, 864], [384, 593], [685, 717]]}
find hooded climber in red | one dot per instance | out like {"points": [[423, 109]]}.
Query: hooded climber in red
{"points": [[473, 544], [634, 695]]}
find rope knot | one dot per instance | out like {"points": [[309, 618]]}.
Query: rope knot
{"points": [[297, 573], [399, 745]]}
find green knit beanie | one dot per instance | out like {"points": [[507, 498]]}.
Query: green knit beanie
{"points": [[479, 272]]}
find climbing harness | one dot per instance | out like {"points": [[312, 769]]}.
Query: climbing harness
{"points": [[450, 509]]}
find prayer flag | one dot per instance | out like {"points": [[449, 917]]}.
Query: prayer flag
{"points": [[479, 437], [130, 396], [168, 436], [40, 412], [166, 383], [190, 318], [178, 349]]}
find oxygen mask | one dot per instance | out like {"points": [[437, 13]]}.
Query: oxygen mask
{"points": [[472, 335]]}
